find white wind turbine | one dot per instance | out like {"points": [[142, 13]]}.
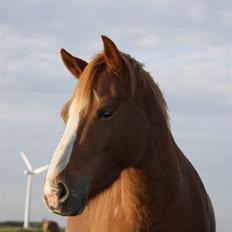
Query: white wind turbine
{"points": [[30, 173]]}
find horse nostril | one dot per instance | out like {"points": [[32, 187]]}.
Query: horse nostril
{"points": [[63, 192]]}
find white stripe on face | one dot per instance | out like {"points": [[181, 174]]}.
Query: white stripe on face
{"points": [[64, 149]]}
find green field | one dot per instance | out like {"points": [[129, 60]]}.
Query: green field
{"points": [[17, 229], [17, 226]]}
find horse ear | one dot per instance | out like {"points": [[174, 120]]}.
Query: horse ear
{"points": [[112, 55], [72, 63]]}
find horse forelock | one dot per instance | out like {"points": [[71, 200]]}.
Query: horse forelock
{"points": [[83, 90], [138, 78]]}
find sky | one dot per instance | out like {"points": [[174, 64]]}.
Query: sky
{"points": [[185, 45]]}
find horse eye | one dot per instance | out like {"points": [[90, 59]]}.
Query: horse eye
{"points": [[105, 113]]}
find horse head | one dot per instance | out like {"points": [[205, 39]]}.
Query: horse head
{"points": [[106, 129]]}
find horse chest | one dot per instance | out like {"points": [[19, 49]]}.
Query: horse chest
{"points": [[114, 222], [116, 209]]}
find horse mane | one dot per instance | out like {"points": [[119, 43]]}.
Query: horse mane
{"points": [[139, 78], [142, 79]]}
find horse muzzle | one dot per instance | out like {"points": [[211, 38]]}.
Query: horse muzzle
{"points": [[62, 200]]}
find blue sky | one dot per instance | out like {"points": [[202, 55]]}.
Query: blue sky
{"points": [[184, 44]]}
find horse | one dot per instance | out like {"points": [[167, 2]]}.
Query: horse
{"points": [[117, 166], [50, 226]]}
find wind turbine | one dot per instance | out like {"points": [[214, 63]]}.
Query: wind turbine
{"points": [[30, 173]]}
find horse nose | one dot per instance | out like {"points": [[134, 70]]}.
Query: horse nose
{"points": [[63, 191], [56, 195]]}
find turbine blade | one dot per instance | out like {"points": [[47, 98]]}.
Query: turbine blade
{"points": [[26, 161], [41, 169]]}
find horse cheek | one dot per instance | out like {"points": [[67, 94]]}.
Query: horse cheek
{"points": [[129, 139], [135, 145]]}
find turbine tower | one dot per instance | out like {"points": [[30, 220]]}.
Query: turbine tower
{"points": [[30, 173]]}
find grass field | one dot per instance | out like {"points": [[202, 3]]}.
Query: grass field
{"points": [[17, 226], [17, 229]]}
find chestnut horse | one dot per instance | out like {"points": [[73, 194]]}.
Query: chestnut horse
{"points": [[117, 167]]}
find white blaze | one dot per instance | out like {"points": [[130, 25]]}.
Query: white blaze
{"points": [[64, 149]]}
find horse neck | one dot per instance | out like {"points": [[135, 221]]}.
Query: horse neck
{"points": [[129, 202], [161, 170]]}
